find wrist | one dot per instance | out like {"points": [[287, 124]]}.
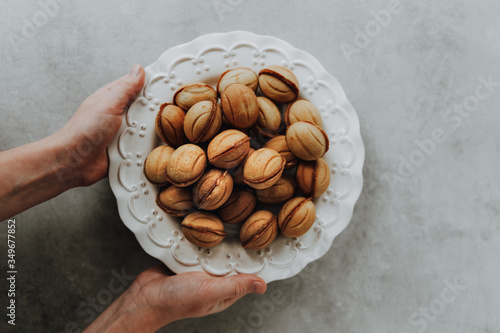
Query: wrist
{"points": [[82, 155], [152, 315], [128, 314], [66, 167], [32, 174], [133, 318]]}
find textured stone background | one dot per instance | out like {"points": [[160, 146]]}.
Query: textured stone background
{"points": [[408, 238]]}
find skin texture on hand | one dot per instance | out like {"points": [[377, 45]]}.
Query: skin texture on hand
{"points": [[73, 156], [156, 298]]}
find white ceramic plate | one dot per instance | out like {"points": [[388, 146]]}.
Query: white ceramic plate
{"points": [[204, 59]]}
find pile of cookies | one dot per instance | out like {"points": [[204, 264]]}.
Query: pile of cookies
{"points": [[211, 175]]}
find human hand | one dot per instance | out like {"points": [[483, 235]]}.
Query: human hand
{"points": [[73, 156], [93, 126], [157, 298]]}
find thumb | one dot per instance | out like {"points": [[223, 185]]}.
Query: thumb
{"points": [[121, 91], [227, 290]]}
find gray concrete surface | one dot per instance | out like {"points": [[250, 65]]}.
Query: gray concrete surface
{"points": [[421, 252]]}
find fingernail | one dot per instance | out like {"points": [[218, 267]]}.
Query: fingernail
{"points": [[258, 287], [136, 70]]}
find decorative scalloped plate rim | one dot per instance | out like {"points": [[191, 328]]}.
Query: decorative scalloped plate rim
{"points": [[159, 234]]}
